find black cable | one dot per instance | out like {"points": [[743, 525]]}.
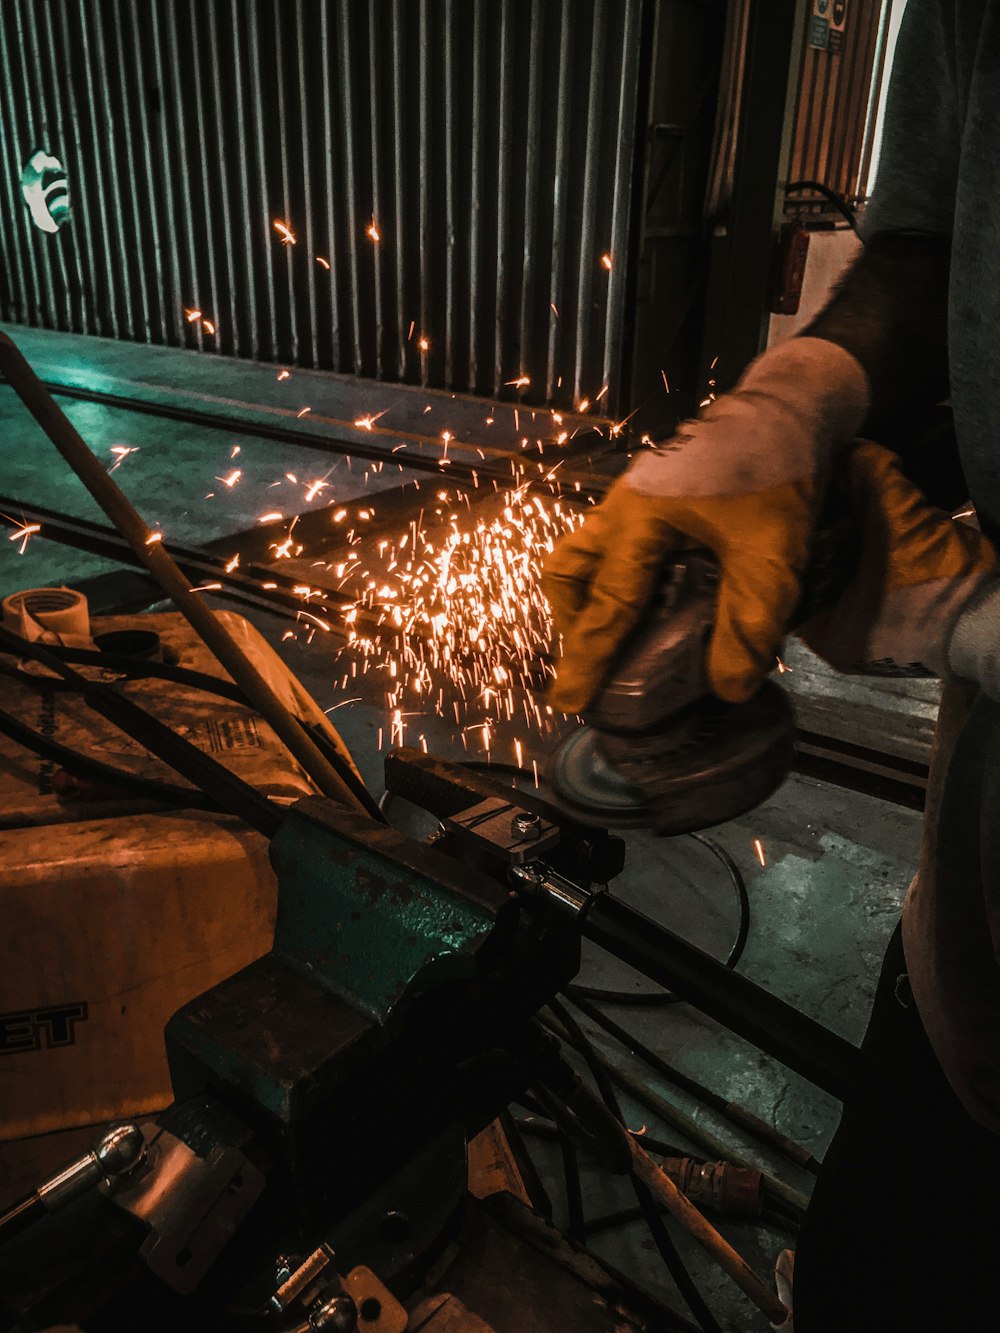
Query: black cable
{"points": [[837, 200], [75, 761], [650, 1210], [207, 774], [134, 669], [664, 997]]}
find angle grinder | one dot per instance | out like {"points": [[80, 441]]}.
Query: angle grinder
{"points": [[659, 750]]}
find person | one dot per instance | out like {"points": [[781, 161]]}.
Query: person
{"points": [[904, 1225]]}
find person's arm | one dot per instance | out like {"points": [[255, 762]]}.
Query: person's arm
{"points": [[891, 313]]}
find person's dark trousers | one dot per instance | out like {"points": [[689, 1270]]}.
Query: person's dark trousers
{"points": [[903, 1231]]}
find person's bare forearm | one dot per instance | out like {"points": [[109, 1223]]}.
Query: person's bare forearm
{"points": [[890, 312]]}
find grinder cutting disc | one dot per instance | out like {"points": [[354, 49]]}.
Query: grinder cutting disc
{"points": [[716, 762]]}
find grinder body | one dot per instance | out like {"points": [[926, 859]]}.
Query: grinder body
{"points": [[659, 749]]}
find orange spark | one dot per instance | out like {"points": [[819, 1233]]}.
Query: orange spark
{"points": [[153, 538], [324, 262], [606, 261], [192, 315], [758, 848], [373, 232], [284, 374], [303, 412], [285, 232], [208, 326]]}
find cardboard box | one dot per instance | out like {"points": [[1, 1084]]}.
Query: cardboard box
{"points": [[117, 912]]}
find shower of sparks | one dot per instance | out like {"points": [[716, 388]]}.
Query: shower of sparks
{"points": [[325, 262], [449, 612], [373, 232], [285, 232], [23, 533], [121, 452], [606, 261], [759, 849]]}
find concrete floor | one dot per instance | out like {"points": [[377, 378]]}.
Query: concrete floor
{"points": [[823, 906]]}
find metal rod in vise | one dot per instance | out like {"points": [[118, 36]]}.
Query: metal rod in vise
{"points": [[149, 550]]}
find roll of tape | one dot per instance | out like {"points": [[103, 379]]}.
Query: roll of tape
{"points": [[37, 613]]}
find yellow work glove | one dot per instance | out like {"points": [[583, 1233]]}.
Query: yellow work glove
{"points": [[745, 479], [920, 575]]}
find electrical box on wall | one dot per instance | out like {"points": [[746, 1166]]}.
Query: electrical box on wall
{"points": [[118, 910]]}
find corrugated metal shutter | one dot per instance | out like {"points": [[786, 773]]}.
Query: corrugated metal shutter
{"points": [[489, 142]]}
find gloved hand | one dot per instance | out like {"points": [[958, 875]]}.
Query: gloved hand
{"points": [[746, 480], [920, 573]]}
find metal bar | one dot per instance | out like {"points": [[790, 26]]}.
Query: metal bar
{"points": [[14, 155], [329, 189], [350, 177], [588, 259], [218, 255], [155, 308], [175, 287], [813, 1051], [128, 101], [246, 311], [857, 768], [29, 120], [100, 539], [559, 196], [424, 215], [378, 199], [591, 487], [399, 180], [263, 201], [203, 620], [289, 311], [66, 240], [505, 146], [621, 204], [475, 203], [118, 269], [308, 262], [190, 267], [247, 213], [450, 222], [532, 166]]}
